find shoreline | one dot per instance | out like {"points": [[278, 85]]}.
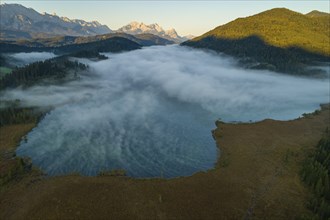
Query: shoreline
{"points": [[256, 173], [13, 147]]}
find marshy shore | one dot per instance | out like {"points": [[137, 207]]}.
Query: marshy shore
{"points": [[256, 177]]}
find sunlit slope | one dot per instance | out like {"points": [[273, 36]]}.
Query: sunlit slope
{"points": [[280, 27]]}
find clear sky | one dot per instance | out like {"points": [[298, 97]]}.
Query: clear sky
{"points": [[187, 17]]}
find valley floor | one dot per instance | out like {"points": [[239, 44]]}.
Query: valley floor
{"points": [[256, 177]]}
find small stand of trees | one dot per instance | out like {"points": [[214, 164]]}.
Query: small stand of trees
{"points": [[32, 73], [315, 173], [13, 115]]}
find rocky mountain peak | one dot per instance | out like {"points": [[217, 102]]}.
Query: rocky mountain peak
{"points": [[17, 18], [136, 27]]}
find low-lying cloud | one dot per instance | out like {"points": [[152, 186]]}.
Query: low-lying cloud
{"points": [[21, 59], [151, 111]]}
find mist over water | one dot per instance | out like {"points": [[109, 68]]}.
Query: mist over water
{"points": [[151, 111], [22, 59]]}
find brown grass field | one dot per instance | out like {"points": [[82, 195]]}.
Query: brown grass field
{"points": [[256, 177]]}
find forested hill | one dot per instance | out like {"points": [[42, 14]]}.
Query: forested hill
{"points": [[114, 44], [277, 33], [142, 39], [280, 27]]}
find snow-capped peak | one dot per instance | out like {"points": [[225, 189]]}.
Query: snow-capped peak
{"points": [[136, 27], [66, 19], [171, 32], [135, 23]]}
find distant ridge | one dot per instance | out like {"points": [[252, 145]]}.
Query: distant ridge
{"points": [[114, 44], [39, 44]]}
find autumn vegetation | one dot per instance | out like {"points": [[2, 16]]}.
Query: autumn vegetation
{"points": [[279, 39]]}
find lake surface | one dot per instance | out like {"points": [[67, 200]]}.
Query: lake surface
{"points": [[151, 111]]}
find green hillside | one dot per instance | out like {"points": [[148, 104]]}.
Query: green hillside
{"points": [[279, 39], [280, 27]]}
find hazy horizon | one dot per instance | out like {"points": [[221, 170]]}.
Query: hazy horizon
{"points": [[186, 17]]}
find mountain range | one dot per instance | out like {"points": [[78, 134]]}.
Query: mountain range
{"points": [[278, 39], [19, 22]]}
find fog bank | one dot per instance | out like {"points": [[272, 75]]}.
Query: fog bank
{"points": [[22, 59], [151, 111]]}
